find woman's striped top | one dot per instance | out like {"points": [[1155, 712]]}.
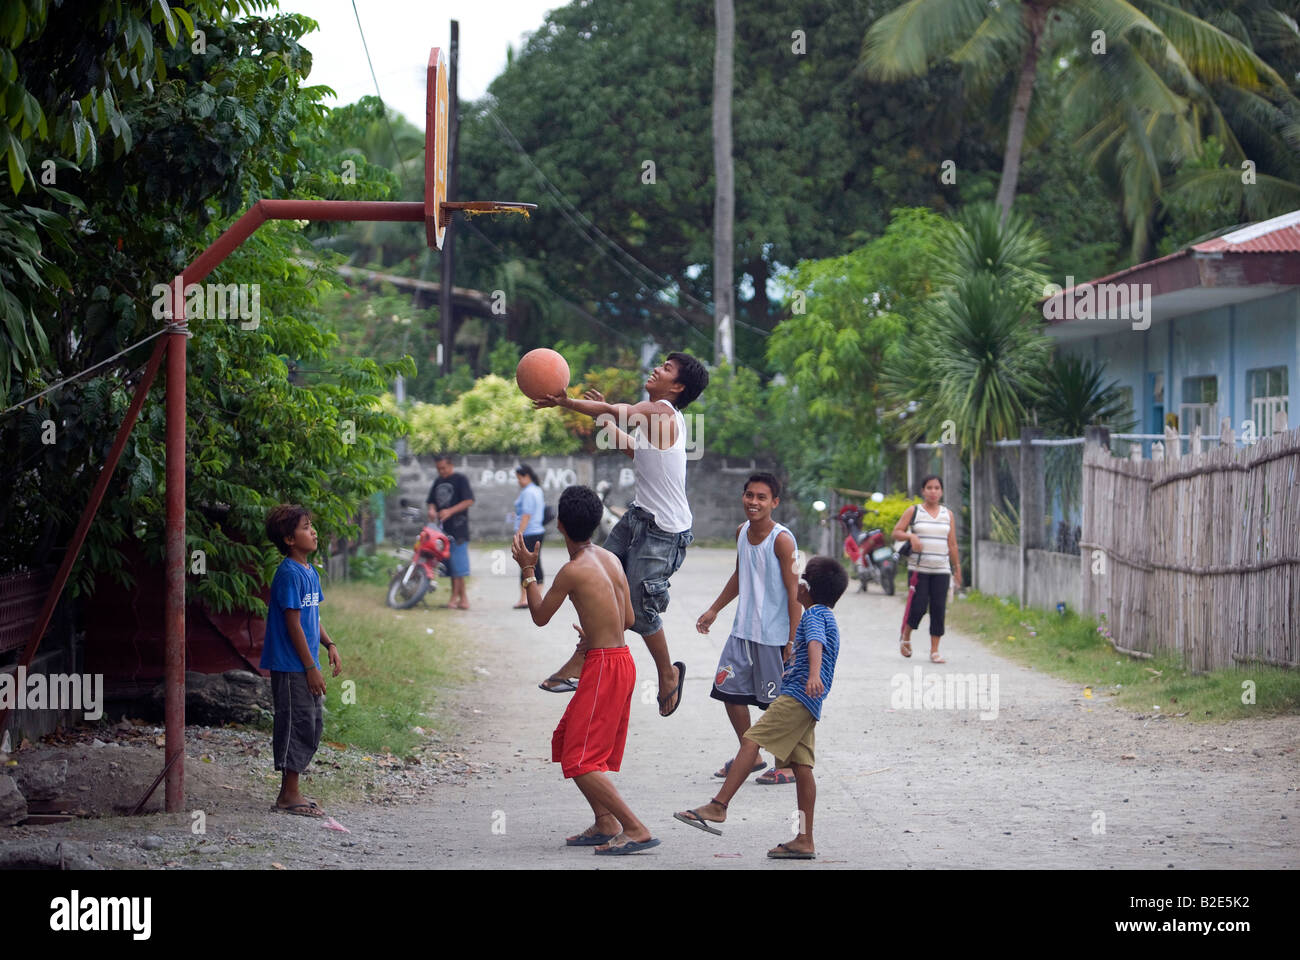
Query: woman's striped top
{"points": [[933, 532]]}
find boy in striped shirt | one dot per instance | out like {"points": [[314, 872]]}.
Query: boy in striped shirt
{"points": [[787, 728]]}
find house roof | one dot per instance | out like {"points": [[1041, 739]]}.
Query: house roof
{"points": [[1281, 234], [1255, 261]]}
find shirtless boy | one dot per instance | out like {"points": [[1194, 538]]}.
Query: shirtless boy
{"points": [[590, 737]]}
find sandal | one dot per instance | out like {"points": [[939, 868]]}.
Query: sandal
{"points": [[905, 647], [772, 777], [936, 658], [562, 684], [726, 769]]}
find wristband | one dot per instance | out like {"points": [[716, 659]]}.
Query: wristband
{"points": [[528, 581]]}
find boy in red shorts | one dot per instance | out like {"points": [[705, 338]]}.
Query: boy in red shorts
{"points": [[590, 737]]}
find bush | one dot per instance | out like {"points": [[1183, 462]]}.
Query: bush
{"points": [[493, 417]]}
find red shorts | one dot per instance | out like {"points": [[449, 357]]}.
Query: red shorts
{"points": [[593, 730]]}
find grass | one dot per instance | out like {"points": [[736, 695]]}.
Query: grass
{"points": [[398, 665], [1070, 647]]}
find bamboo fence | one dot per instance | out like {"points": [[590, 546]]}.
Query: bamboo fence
{"points": [[1196, 553]]}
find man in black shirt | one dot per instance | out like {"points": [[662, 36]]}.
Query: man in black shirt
{"points": [[449, 501]]}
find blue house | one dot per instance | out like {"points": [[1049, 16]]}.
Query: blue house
{"points": [[1210, 331]]}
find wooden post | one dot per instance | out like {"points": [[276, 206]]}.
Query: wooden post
{"points": [[1033, 495], [952, 470]]}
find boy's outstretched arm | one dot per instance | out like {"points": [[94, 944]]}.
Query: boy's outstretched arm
{"points": [[647, 414], [785, 551], [542, 608], [730, 592]]}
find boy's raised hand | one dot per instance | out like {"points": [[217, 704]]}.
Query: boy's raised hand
{"points": [[554, 400], [523, 556]]}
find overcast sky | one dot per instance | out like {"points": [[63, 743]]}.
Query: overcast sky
{"points": [[399, 34]]}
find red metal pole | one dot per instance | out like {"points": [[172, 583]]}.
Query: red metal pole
{"points": [[174, 611]]}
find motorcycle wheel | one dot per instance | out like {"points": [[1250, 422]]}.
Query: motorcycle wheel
{"points": [[864, 578], [404, 592], [887, 580]]}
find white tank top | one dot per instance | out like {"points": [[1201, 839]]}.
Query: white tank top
{"points": [[763, 613], [661, 478], [933, 532]]}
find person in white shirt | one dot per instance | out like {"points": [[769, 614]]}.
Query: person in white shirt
{"points": [[652, 537]]}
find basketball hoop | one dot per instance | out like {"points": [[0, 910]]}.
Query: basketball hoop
{"points": [[438, 210]]}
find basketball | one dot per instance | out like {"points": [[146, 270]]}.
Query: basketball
{"points": [[542, 373]]}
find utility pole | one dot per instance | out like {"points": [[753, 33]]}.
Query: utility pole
{"points": [[446, 330]]}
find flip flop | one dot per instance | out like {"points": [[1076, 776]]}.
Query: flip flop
{"points": [[726, 769], [787, 854], [677, 691], [772, 777], [905, 647], [692, 818], [628, 846], [301, 810], [589, 839], [562, 685], [935, 658], [520, 606]]}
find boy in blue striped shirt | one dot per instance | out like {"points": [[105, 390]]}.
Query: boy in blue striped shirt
{"points": [[787, 728]]}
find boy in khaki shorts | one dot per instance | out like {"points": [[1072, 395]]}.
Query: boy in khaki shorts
{"points": [[787, 727]]}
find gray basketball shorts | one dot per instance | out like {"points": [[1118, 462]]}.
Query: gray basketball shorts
{"points": [[748, 673], [299, 721]]}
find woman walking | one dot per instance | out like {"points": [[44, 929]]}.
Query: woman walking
{"points": [[933, 563], [529, 509]]}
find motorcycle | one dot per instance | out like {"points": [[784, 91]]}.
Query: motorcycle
{"points": [[610, 516], [419, 574], [873, 558]]}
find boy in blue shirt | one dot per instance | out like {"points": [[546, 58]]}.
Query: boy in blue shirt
{"points": [[787, 727], [290, 651]]}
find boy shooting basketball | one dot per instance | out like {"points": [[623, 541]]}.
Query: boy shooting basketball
{"points": [[651, 538], [591, 735]]}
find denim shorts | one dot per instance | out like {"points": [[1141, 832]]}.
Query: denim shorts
{"points": [[649, 556], [458, 562]]}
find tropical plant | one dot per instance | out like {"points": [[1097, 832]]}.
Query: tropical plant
{"points": [[971, 368], [492, 417], [1074, 396]]}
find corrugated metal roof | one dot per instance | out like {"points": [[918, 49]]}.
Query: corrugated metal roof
{"points": [[1278, 235]]}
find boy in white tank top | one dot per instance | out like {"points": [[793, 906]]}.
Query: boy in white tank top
{"points": [[652, 537], [762, 637]]}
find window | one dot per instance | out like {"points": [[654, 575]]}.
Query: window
{"points": [[1200, 406], [1266, 396]]}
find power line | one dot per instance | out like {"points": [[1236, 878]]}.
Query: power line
{"points": [[397, 153], [567, 208]]}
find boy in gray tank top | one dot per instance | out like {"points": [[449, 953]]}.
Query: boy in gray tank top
{"points": [[762, 636], [652, 537]]}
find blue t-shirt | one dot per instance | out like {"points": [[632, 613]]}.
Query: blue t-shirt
{"points": [[294, 587], [817, 623], [531, 502]]}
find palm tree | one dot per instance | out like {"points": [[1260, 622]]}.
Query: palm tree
{"points": [[1156, 53], [724, 198], [975, 357]]}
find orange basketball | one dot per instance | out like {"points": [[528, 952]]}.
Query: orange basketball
{"points": [[542, 373]]}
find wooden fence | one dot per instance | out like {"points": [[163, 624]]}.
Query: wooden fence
{"points": [[1198, 553]]}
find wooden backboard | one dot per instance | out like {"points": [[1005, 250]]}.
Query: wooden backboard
{"points": [[435, 148]]}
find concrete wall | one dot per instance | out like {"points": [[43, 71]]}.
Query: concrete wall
{"points": [[1052, 577], [713, 485]]}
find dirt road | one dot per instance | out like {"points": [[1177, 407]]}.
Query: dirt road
{"points": [[1041, 785], [1044, 783]]}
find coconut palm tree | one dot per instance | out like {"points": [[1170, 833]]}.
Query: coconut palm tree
{"points": [[1157, 58]]}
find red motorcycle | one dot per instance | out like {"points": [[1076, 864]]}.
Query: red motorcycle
{"points": [[872, 556], [419, 574]]}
